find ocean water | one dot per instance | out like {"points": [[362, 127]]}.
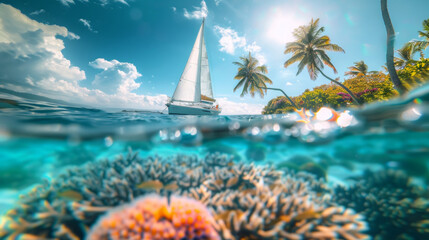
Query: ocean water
{"points": [[349, 174]]}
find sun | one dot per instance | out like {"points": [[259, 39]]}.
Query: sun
{"points": [[281, 23]]}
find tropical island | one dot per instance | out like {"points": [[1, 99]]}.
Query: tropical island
{"points": [[361, 86]]}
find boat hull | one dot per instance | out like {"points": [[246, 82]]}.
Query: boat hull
{"points": [[175, 109]]}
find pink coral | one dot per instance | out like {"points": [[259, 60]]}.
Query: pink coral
{"points": [[151, 218]]}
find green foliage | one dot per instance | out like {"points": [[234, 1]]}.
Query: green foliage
{"points": [[415, 74], [370, 88]]}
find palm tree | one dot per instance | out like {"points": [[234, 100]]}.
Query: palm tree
{"points": [[309, 49], [390, 45], [423, 44], [425, 32], [358, 69], [252, 78], [406, 54]]}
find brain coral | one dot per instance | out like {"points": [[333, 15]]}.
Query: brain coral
{"points": [[151, 217]]}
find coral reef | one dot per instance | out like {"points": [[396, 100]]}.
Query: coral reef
{"points": [[287, 208], [152, 217], [393, 207], [246, 201]]}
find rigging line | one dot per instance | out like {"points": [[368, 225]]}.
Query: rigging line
{"points": [[162, 112]]}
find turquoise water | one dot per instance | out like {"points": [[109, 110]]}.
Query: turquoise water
{"points": [[373, 162]]}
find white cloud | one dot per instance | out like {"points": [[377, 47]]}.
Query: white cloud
{"points": [[87, 24], [117, 77], [101, 2], [174, 9], [198, 13], [230, 41], [256, 51], [31, 60], [289, 84], [38, 12], [217, 2], [237, 108], [73, 36], [67, 2], [30, 53]]}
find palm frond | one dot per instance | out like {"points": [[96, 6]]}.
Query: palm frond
{"points": [[239, 84], [302, 64], [326, 60], [298, 56]]}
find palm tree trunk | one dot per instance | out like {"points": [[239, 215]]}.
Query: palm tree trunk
{"points": [[278, 89], [355, 99], [390, 45]]}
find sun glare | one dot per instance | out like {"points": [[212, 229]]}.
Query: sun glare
{"points": [[280, 25]]}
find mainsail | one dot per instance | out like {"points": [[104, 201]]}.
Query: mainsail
{"points": [[206, 82], [195, 79]]}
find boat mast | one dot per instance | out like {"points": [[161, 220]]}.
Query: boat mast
{"points": [[198, 84]]}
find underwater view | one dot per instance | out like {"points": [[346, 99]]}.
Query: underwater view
{"points": [[198, 120]]}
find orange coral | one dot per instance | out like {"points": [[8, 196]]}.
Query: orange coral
{"points": [[151, 218]]}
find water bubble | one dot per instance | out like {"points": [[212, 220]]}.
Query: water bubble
{"points": [[163, 135], [255, 131], [294, 131], [346, 119], [190, 136], [176, 135], [305, 129], [324, 129], [276, 127], [324, 114], [412, 114], [108, 141], [273, 133], [234, 126], [190, 131]]}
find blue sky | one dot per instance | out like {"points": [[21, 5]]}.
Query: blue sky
{"points": [[131, 53]]}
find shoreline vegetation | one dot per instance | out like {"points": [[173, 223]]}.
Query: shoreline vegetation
{"points": [[401, 74]]}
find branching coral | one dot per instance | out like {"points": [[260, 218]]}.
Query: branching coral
{"points": [[392, 206], [286, 208], [247, 202], [152, 217]]}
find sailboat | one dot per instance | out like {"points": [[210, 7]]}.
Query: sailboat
{"points": [[194, 94]]}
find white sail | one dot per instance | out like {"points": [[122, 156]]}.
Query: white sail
{"points": [[206, 82], [189, 87]]}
